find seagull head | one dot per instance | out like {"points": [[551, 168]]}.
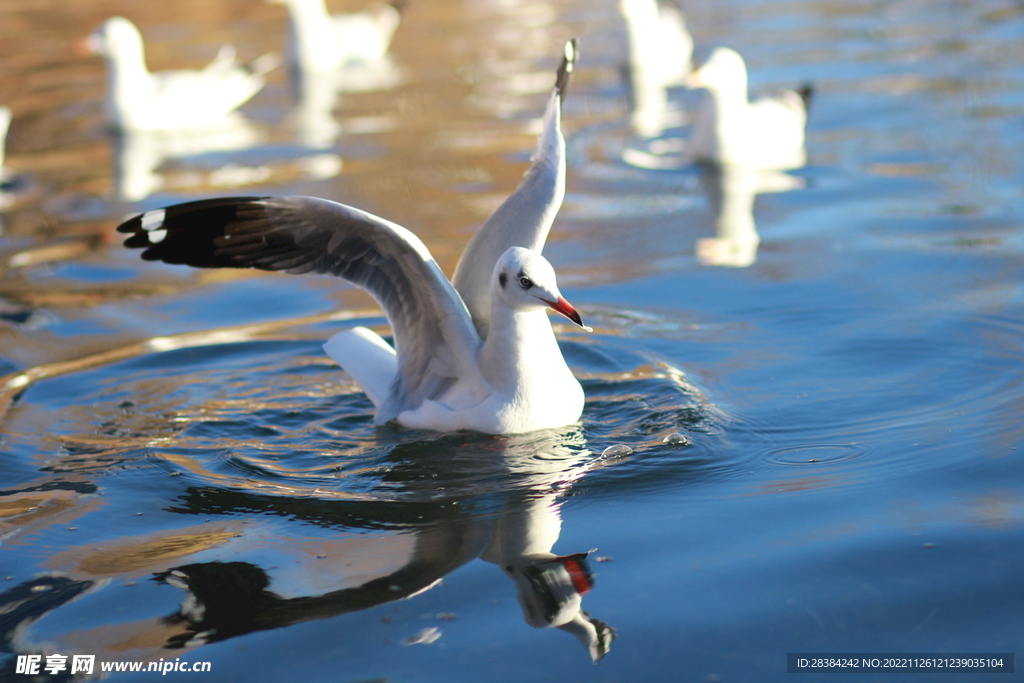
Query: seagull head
{"points": [[525, 280], [723, 69], [114, 36]]}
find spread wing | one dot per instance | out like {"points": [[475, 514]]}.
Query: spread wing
{"points": [[525, 218], [434, 336]]}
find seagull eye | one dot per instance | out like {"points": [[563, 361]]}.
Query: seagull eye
{"points": [[526, 282]]}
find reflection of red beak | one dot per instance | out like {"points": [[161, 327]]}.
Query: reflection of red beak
{"points": [[566, 309]]}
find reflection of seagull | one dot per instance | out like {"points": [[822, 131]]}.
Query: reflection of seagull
{"points": [[765, 133], [731, 189], [140, 152], [5, 123], [550, 588], [486, 360], [660, 54], [334, 54], [322, 42], [140, 100]]}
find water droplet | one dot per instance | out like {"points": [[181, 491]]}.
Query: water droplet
{"points": [[619, 450]]}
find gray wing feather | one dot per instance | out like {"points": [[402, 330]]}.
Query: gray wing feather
{"points": [[434, 336]]}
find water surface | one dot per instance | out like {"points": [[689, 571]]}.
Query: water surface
{"points": [[847, 393]]}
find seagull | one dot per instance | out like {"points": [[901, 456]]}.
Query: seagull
{"points": [[5, 122], [766, 133], [660, 57], [323, 42], [171, 100], [443, 373], [660, 46], [10, 183]]}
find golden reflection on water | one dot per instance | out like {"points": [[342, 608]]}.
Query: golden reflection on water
{"points": [[138, 555]]}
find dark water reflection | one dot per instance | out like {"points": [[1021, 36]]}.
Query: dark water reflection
{"points": [[373, 552]]}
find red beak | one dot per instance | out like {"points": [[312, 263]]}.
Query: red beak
{"points": [[565, 308]]}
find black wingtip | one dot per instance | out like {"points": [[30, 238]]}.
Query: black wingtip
{"points": [[566, 68], [806, 93], [185, 233]]}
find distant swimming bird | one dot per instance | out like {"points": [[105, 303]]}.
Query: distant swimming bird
{"points": [[5, 122], [765, 133], [444, 373], [660, 57], [323, 42], [167, 100], [660, 46], [10, 184]]}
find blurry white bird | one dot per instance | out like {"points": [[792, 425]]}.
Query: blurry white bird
{"points": [[765, 133], [167, 100], [5, 122], [660, 57], [660, 46], [320, 41], [442, 373], [9, 182], [4, 125]]}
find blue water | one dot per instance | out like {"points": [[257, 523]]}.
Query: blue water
{"points": [[816, 452]]}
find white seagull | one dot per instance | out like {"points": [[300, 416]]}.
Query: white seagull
{"points": [[170, 100], [486, 361], [5, 122], [320, 41], [10, 183], [660, 45], [765, 133]]}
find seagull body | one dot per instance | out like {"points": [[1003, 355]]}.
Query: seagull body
{"points": [[320, 41], [660, 57], [766, 133], [478, 354], [170, 100], [660, 46], [5, 122], [440, 374], [6, 195]]}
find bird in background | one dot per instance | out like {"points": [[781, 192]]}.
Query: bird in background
{"points": [[5, 123], [167, 100], [320, 41], [730, 129], [660, 57], [477, 354]]}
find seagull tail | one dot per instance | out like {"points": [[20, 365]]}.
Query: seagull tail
{"points": [[806, 93], [369, 359]]}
